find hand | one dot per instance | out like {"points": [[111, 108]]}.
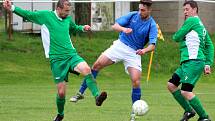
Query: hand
{"points": [[207, 70], [140, 52], [127, 30], [7, 5], [87, 28]]}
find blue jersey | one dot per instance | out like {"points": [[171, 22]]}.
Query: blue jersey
{"points": [[144, 31]]}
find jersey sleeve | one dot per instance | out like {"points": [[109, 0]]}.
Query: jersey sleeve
{"points": [[35, 17], [75, 28], [124, 20], [153, 33], [209, 51], [181, 33]]}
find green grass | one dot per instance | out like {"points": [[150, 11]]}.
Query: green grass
{"points": [[27, 90], [1, 24]]}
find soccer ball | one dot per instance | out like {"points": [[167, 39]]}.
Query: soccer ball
{"points": [[140, 107]]}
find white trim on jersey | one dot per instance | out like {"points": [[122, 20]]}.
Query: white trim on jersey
{"points": [[45, 39], [192, 42]]}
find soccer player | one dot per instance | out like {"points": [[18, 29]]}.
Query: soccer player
{"points": [[197, 55], [136, 30], [56, 28]]}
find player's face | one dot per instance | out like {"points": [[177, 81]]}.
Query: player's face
{"points": [[64, 12], [144, 11], [189, 11]]}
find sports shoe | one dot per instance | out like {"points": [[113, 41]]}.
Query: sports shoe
{"points": [[58, 118], [77, 97], [204, 119], [100, 99], [132, 117], [188, 115]]}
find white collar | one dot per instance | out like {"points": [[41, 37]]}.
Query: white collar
{"points": [[57, 15]]}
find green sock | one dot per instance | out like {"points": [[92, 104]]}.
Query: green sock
{"points": [[91, 84], [60, 105], [182, 101], [197, 106]]}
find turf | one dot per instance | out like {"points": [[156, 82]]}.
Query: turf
{"points": [[27, 90]]}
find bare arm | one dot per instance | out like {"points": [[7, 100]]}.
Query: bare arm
{"points": [[119, 28], [143, 51]]}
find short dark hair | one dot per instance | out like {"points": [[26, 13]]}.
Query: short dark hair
{"points": [[193, 4], [61, 3], [146, 2]]}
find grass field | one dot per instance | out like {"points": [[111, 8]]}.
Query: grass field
{"points": [[27, 90], [1, 24]]}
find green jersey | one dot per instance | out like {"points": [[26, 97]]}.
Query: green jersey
{"points": [[55, 32], [195, 42]]}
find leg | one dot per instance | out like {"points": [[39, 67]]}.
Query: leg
{"points": [[84, 69], [172, 86], [187, 92], [60, 100], [135, 75], [100, 63], [192, 72]]}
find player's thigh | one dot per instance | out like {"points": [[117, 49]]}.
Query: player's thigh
{"points": [[114, 54], [131, 59], [102, 62], [192, 71], [60, 70]]}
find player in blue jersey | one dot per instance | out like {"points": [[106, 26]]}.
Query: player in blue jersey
{"points": [[136, 29]]}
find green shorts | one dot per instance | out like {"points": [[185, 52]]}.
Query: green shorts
{"points": [[61, 67], [190, 71]]}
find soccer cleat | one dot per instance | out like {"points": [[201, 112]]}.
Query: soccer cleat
{"points": [[132, 117], [100, 99], [58, 118], [77, 97], [188, 115], [204, 119]]}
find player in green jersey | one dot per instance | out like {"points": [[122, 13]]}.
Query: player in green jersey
{"points": [[56, 28], [197, 55]]}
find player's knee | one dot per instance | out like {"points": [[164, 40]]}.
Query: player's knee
{"points": [[97, 65], [86, 70], [188, 94], [171, 87], [173, 83], [186, 87], [136, 83], [61, 89], [61, 94]]}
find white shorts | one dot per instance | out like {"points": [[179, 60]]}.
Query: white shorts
{"points": [[121, 52]]}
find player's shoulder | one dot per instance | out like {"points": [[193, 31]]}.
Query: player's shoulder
{"points": [[152, 21], [45, 12], [69, 17], [132, 13], [192, 19]]}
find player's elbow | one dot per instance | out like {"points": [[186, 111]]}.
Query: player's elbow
{"points": [[115, 26], [152, 47]]}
